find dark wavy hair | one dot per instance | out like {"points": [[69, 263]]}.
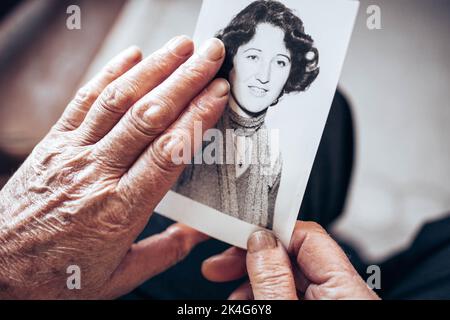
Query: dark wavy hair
{"points": [[242, 28]]}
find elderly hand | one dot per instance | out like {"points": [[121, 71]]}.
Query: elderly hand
{"points": [[320, 269], [89, 187]]}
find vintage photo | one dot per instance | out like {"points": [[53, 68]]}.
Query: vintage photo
{"points": [[268, 55], [264, 144]]}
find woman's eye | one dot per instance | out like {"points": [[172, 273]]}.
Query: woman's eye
{"points": [[281, 63], [252, 57]]}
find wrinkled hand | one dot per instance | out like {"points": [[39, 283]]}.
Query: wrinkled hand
{"points": [[319, 268], [89, 187]]}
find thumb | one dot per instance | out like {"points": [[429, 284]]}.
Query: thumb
{"points": [[269, 268], [152, 256]]}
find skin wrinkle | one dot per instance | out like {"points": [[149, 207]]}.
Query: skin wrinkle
{"points": [[196, 73], [336, 288], [271, 278], [149, 130], [132, 197], [112, 162], [321, 270], [39, 228], [112, 100], [42, 226], [166, 110], [163, 64], [162, 156], [66, 205]]}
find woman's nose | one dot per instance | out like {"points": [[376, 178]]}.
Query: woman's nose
{"points": [[263, 74]]}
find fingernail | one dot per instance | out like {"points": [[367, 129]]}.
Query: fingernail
{"points": [[181, 46], [261, 240], [212, 49], [220, 88]]}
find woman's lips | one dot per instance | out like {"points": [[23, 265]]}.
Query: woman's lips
{"points": [[258, 91]]}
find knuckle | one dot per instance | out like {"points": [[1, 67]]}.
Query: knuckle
{"points": [[153, 123], [161, 155], [65, 124], [180, 246], [309, 227], [195, 73], [201, 110], [166, 107], [318, 230], [81, 102], [272, 274], [86, 95], [117, 97], [203, 103], [112, 98], [132, 87], [136, 123], [314, 225]]}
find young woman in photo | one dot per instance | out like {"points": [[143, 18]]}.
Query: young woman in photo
{"points": [[268, 55]]}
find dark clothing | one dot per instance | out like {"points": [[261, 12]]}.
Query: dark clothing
{"points": [[423, 271]]}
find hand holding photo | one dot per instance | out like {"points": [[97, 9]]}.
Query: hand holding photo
{"points": [[254, 165]]}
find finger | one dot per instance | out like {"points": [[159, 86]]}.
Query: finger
{"points": [[243, 292], [317, 255], [158, 167], [269, 268], [301, 282], [328, 274], [152, 256], [157, 110], [227, 266], [84, 98], [122, 93]]}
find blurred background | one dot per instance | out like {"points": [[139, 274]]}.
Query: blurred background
{"points": [[396, 79]]}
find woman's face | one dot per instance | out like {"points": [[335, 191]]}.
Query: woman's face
{"points": [[261, 68]]}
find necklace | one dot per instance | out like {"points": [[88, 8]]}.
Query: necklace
{"points": [[241, 156], [244, 129], [244, 126]]}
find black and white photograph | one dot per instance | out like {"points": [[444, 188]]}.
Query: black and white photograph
{"points": [[282, 62]]}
